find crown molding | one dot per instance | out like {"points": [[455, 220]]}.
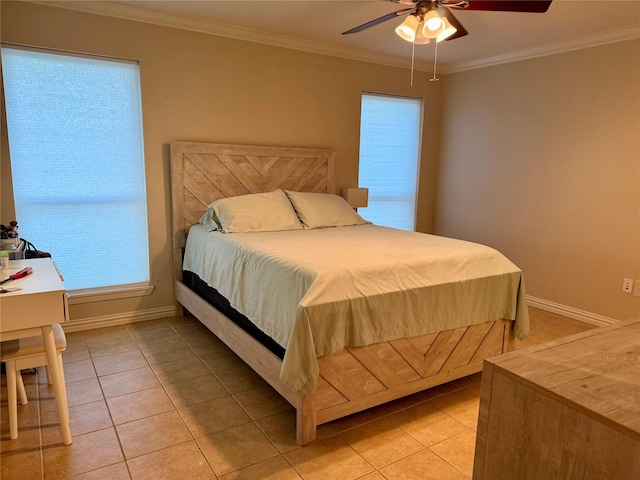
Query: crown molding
{"points": [[139, 14], [603, 38]]}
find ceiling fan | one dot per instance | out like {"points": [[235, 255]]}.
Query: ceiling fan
{"points": [[437, 20]]}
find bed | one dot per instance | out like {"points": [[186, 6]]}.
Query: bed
{"points": [[348, 376]]}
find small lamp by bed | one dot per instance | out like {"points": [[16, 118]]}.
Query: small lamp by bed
{"points": [[356, 197]]}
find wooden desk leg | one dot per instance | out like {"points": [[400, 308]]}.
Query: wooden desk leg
{"points": [[12, 399], [58, 383]]}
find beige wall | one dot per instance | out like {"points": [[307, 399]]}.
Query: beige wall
{"points": [[541, 159], [207, 88]]}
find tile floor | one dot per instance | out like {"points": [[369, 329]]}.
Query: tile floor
{"points": [[166, 399]]}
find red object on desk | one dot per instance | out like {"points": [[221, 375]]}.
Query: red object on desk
{"points": [[22, 273]]}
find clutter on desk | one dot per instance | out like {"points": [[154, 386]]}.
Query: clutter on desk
{"points": [[10, 231], [10, 241], [8, 290], [22, 273], [18, 248]]}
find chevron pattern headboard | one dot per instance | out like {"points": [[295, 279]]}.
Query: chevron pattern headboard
{"points": [[204, 172]]}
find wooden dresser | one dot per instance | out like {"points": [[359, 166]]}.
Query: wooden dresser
{"points": [[567, 409]]}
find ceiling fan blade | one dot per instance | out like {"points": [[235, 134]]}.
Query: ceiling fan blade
{"points": [[460, 30], [532, 6], [377, 21]]}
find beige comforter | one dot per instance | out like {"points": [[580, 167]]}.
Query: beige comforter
{"points": [[317, 291]]}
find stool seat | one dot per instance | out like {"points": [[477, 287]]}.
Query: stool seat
{"points": [[28, 346], [23, 353]]}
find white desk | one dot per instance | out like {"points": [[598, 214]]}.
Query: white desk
{"points": [[40, 302]]}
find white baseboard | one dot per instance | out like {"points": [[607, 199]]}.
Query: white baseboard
{"points": [[119, 319], [163, 312], [570, 312]]}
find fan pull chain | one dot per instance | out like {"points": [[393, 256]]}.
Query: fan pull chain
{"points": [[413, 51], [435, 63]]}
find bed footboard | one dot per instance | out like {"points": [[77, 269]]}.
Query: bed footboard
{"points": [[357, 378]]}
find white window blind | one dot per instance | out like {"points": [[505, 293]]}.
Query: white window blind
{"points": [[389, 154], [77, 161]]}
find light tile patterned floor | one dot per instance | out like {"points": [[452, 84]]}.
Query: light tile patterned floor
{"points": [[165, 399]]}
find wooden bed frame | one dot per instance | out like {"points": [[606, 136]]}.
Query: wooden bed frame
{"points": [[355, 378]]}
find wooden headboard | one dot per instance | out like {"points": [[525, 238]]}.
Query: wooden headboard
{"points": [[204, 172]]}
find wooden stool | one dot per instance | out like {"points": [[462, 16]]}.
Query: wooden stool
{"points": [[21, 354]]}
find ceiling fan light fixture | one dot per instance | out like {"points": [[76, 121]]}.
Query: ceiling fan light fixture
{"points": [[448, 30], [407, 29], [420, 38], [434, 25]]}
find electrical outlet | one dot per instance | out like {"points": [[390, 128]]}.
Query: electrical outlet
{"points": [[636, 289], [627, 285]]}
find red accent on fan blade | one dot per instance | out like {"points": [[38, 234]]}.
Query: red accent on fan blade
{"points": [[460, 30], [531, 6], [377, 21]]}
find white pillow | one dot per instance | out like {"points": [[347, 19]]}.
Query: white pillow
{"points": [[319, 210], [255, 212]]}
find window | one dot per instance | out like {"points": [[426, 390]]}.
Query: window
{"points": [[75, 140], [389, 154]]}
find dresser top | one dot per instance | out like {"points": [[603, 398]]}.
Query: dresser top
{"points": [[596, 372]]}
